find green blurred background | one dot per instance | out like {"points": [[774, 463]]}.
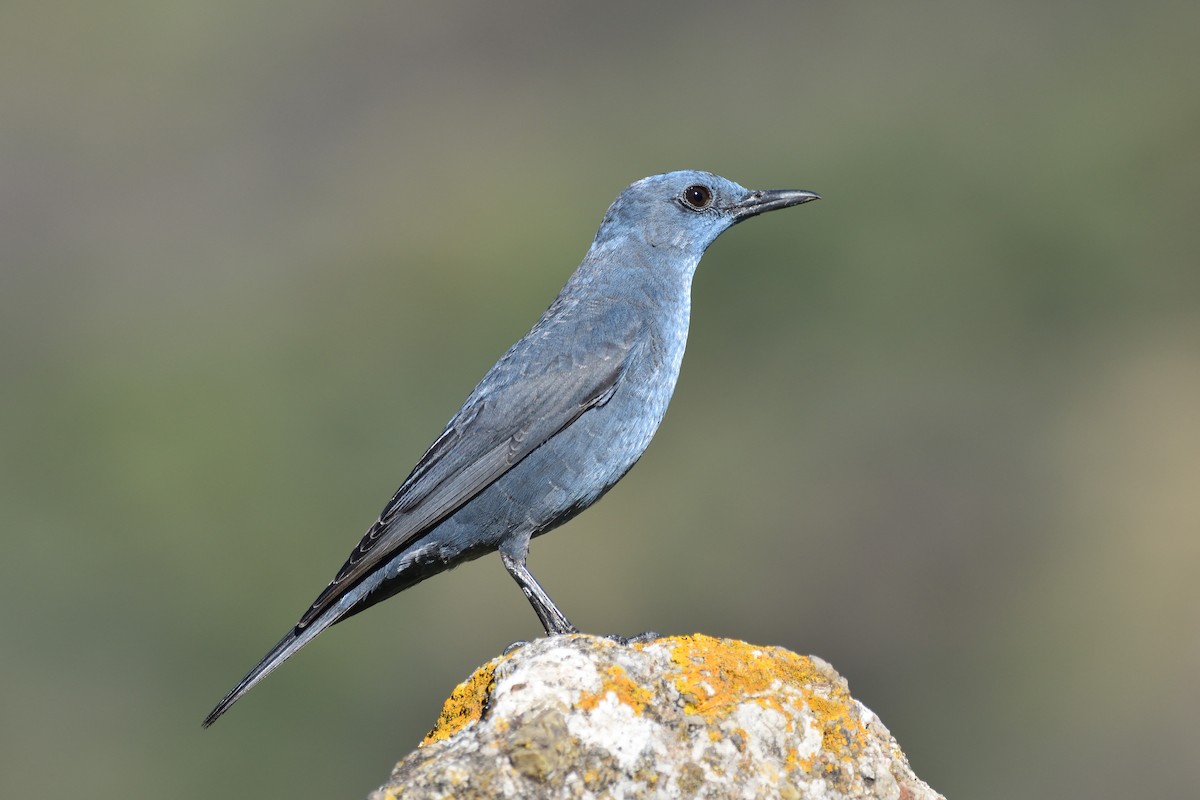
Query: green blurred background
{"points": [[941, 428]]}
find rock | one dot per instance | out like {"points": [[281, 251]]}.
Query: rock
{"points": [[686, 716]]}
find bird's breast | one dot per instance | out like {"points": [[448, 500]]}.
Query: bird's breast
{"points": [[641, 401]]}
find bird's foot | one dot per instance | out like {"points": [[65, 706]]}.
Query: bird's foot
{"points": [[512, 647], [640, 638]]}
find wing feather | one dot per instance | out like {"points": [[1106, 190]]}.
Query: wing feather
{"points": [[520, 404]]}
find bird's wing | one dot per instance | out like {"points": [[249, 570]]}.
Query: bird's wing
{"points": [[519, 405]]}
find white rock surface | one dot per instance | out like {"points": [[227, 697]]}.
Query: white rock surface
{"points": [[583, 717]]}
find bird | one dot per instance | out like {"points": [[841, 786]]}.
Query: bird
{"points": [[558, 420]]}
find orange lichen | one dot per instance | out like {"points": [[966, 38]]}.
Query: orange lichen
{"points": [[618, 682], [840, 731], [716, 675], [465, 704], [794, 761], [713, 677]]}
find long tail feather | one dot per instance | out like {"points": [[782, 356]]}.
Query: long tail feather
{"points": [[281, 652]]}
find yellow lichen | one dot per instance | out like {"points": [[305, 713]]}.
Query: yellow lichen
{"points": [[465, 704], [794, 761], [715, 675], [622, 687]]}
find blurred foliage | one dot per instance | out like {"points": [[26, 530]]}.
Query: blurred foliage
{"points": [[940, 428]]}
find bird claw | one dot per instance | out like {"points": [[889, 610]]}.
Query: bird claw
{"points": [[639, 638], [512, 647]]}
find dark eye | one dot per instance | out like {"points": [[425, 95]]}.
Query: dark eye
{"points": [[697, 196]]}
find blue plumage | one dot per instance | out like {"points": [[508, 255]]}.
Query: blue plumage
{"points": [[559, 419]]}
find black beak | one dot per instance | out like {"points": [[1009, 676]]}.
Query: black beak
{"points": [[764, 200]]}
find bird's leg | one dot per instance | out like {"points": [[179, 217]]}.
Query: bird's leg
{"points": [[553, 620]]}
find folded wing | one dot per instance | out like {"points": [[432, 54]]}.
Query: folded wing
{"points": [[523, 402]]}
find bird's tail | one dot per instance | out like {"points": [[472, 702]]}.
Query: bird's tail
{"points": [[281, 652]]}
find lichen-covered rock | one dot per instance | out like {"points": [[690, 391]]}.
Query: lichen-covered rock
{"points": [[687, 716]]}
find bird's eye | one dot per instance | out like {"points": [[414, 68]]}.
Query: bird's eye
{"points": [[697, 196]]}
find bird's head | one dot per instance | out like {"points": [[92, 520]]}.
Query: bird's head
{"points": [[686, 211]]}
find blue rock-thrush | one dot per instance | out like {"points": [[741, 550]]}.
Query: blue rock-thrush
{"points": [[558, 420]]}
